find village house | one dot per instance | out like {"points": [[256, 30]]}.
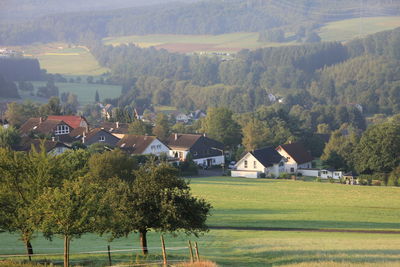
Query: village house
{"points": [[117, 129], [73, 121], [106, 111], [51, 146], [296, 156], [40, 127], [204, 151], [142, 145], [264, 162], [99, 135], [182, 118]]}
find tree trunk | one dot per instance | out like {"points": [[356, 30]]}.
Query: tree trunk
{"points": [[66, 251], [143, 241], [29, 249]]}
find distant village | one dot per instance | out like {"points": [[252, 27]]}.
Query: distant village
{"points": [[57, 134]]}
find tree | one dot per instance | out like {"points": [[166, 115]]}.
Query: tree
{"points": [[161, 129], [378, 149], [161, 201], [23, 179], [394, 177], [139, 127], [219, 125], [112, 164], [338, 152], [69, 211], [97, 97], [53, 107], [255, 135], [17, 113], [9, 137]]}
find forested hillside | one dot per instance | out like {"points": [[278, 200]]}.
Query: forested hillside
{"points": [[20, 69], [202, 17], [305, 75]]}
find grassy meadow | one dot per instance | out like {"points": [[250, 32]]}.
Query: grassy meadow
{"points": [[85, 91], [348, 29], [64, 58], [263, 203]]}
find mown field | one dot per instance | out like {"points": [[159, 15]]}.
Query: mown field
{"points": [[345, 30], [266, 203], [64, 59], [85, 91]]}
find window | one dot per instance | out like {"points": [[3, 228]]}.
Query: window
{"points": [[291, 169], [61, 129], [153, 147], [102, 138], [213, 161], [281, 164], [245, 164], [158, 146], [255, 164]]}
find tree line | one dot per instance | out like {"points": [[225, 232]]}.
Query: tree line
{"points": [[306, 75]]}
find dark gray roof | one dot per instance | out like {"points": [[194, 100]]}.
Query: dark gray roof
{"points": [[267, 156]]}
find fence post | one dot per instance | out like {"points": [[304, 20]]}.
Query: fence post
{"points": [[191, 252], [164, 253], [197, 251], [109, 255]]}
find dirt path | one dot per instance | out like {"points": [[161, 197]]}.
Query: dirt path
{"points": [[305, 230]]}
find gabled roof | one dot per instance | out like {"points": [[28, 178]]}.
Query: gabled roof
{"points": [[77, 133], [112, 127], [27, 143], [267, 156], [44, 127], [73, 121], [185, 141], [95, 131], [298, 152], [135, 144]]}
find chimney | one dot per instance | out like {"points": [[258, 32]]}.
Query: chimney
{"points": [[204, 134], [117, 124], [176, 136], [145, 137], [53, 139], [40, 119]]}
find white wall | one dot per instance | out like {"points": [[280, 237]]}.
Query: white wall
{"points": [[245, 174], [240, 166], [218, 160], [156, 148]]}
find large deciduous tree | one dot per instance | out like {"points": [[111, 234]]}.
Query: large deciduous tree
{"points": [[9, 137], [219, 125], [69, 211], [158, 200], [161, 129], [378, 149]]}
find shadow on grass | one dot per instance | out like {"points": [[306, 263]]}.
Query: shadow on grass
{"points": [[277, 258], [239, 221]]}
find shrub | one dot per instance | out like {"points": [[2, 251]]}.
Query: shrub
{"points": [[394, 177], [262, 175], [331, 180], [318, 179], [284, 175], [376, 183]]}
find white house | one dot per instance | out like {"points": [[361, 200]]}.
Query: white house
{"points": [[265, 161], [204, 151], [181, 117], [296, 156]]}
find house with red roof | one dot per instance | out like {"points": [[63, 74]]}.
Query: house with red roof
{"points": [[73, 121]]}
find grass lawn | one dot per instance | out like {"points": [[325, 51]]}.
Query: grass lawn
{"points": [[85, 91], [345, 30], [64, 59], [265, 203]]}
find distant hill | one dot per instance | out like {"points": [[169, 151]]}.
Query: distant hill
{"points": [[200, 17], [21, 10]]}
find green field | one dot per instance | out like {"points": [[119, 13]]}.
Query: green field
{"points": [[267, 203], [64, 59], [231, 42], [345, 30], [85, 91]]}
